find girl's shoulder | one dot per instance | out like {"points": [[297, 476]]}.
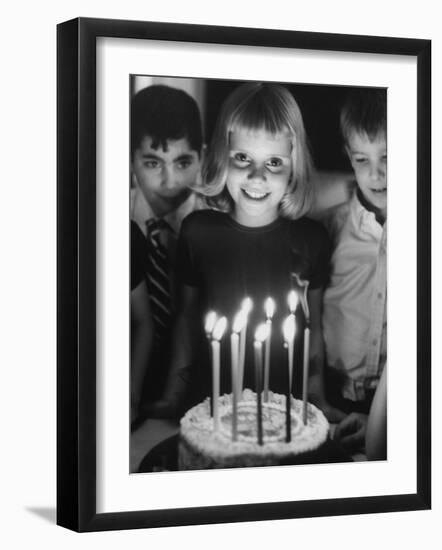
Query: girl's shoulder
{"points": [[307, 226], [205, 215], [309, 235]]}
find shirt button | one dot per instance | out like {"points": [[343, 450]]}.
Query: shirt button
{"points": [[374, 342], [379, 295]]}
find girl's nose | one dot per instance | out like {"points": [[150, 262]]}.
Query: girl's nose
{"points": [[257, 173]]}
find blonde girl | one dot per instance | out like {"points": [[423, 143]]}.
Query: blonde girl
{"points": [[251, 241]]}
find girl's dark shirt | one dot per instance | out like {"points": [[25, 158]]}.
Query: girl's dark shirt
{"points": [[227, 262]]}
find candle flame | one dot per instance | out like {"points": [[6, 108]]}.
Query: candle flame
{"points": [[209, 324], [292, 301], [269, 307], [289, 328], [262, 332], [239, 321], [247, 305], [219, 328]]}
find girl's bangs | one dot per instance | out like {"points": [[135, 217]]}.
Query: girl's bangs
{"points": [[257, 116]]}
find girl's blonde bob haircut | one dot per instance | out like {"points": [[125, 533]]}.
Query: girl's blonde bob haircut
{"points": [[255, 107]]}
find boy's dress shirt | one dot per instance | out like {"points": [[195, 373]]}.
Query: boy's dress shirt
{"points": [[141, 213], [355, 314]]}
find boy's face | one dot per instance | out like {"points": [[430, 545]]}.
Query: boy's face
{"points": [[369, 162], [164, 176]]}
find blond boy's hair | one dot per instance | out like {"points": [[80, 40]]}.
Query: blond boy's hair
{"points": [[364, 112]]}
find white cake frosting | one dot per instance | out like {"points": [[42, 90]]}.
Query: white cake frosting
{"points": [[203, 447]]}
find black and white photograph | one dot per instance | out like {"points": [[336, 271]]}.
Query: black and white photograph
{"points": [[225, 280], [197, 276], [258, 215]]}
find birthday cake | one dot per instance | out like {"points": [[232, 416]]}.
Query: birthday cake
{"points": [[202, 447]]}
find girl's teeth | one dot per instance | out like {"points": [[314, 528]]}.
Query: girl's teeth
{"points": [[254, 194]]}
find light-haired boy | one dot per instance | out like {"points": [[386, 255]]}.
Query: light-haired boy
{"points": [[355, 302]]}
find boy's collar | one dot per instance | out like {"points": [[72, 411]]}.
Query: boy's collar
{"points": [[142, 211], [380, 218]]}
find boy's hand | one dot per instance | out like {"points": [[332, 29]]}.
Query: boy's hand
{"points": [[332, 414], [350, 432]]}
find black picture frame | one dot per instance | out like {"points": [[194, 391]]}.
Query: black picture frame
{"points": [[76, 273]]}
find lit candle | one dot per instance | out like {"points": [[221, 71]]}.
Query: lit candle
{"points": [[217, 334], [269, 307], [209, 324], [292, 300], [305, 371], [246, 307], [289, 330], [261, 335], [303, 284], [238, 323]]}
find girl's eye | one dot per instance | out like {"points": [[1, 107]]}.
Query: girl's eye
{"points": [[360, 160], [241, 159], [274, 162]]}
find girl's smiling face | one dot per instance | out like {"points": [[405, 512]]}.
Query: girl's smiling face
{"points": [[260, 166]]}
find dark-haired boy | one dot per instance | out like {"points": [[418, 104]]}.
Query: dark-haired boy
{"points": [[354, 316], [166, 149]]}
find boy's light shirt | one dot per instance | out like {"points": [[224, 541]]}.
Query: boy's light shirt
{"points": [[354, 318]]}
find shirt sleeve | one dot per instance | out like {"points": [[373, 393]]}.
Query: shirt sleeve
{"points": [[334, 221], [138, 247]]}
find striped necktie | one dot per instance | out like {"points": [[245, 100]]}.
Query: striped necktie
{"points": [[158, 282]]}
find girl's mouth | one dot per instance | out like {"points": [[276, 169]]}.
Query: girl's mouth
{"points": [[254, 195], [379, 191]]}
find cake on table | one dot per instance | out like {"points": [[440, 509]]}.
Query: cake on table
{"points": [[202, 447]]}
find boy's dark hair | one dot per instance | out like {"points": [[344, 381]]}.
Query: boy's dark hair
{"points": [[164, 113], [365, 112]]}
